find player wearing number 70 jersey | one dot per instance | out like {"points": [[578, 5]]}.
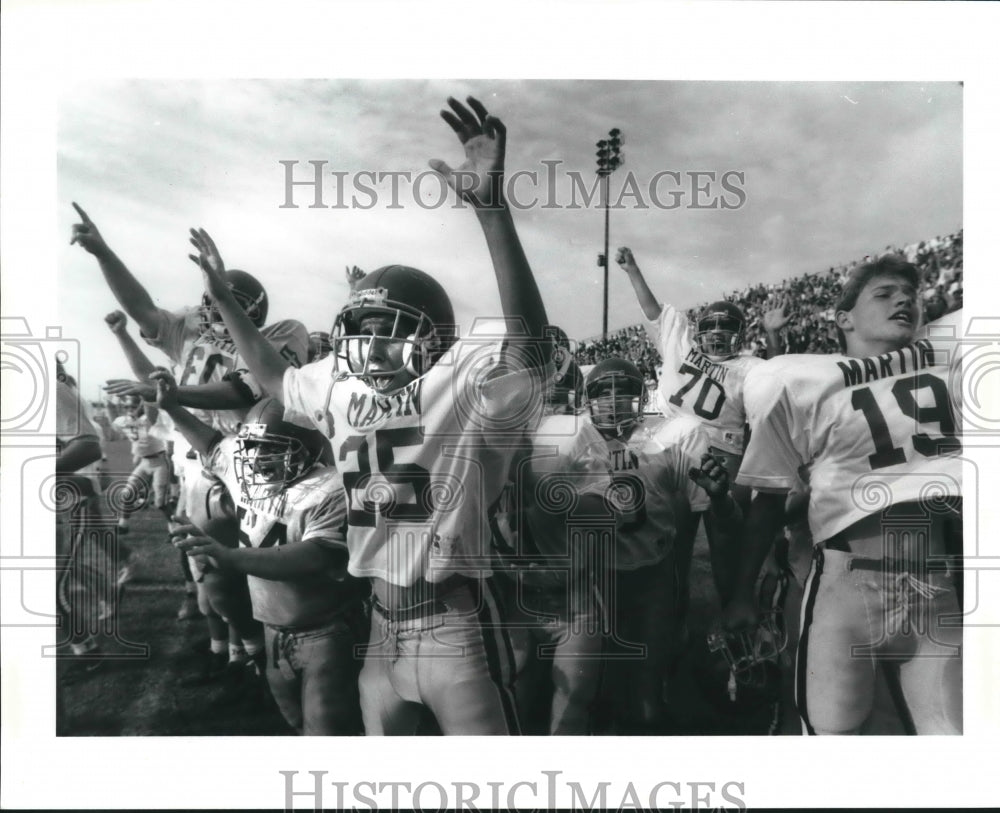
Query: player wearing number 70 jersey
{"points": [[875, 430], [703, 371], [424, 429]]}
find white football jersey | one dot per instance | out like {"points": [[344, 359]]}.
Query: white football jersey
{"points": [[140, 432], [422, 467], [692, 384], [564, 460], [201, 361], [311, 509], [872, 432], [649, 473]]}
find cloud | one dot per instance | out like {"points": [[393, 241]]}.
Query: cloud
{"points": [[826, 181]]}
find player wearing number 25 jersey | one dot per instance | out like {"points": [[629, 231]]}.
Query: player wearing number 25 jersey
{"points": [[876, 431], [423, 430]]}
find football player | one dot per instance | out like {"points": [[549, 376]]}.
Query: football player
{"points": [[210, 374], [875, 429], [657, 481], [222, 598], [293, 552], [702, 378], [89, 569], [547, 535], [148, 451], [424, 428]]}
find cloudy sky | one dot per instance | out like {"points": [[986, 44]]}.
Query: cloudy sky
{"points": [[830, 172]]}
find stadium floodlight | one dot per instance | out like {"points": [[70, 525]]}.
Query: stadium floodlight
{"points": [[609, 158]]}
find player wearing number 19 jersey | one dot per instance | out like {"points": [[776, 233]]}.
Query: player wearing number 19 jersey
{"points": [[876, 430]]}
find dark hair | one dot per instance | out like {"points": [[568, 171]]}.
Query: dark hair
{"points": [[890, 265]]}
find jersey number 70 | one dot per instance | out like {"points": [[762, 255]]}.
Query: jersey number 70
{"points": [[709, 384], [904, 391]]}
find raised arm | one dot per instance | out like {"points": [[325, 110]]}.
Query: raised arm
{"points": [[79, 452], [267, 364], [131, 295], [650, 305], [137, 360], [479, 182], [775, 320], [199, 434]]}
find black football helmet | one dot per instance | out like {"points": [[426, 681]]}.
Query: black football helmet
{"points": [[248, 292], [272, 453], [616, 395], [719, 331], [421, 315]]}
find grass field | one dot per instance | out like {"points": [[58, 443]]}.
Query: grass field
{"points": [[131, 694]]}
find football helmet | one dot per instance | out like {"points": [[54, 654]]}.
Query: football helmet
{"points": [[272, 453], [616, 395], [743, 673], [719, 331], [421, 318], [250, 295]]}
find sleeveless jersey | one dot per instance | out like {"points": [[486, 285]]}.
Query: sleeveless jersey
{"points": [[690, 383], [422, 467], [872, 432]]}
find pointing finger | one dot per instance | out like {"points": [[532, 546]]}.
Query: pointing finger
{"points": [[83, 214]]}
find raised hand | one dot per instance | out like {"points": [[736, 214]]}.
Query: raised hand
{"points": [[354, 275], [779, 315], [117, 321], [210, 262], [625, 259], [711, 476], [479, 180], [123, 386], [85, 234], [166, 388]]}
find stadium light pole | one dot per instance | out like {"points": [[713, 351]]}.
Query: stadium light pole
{"points": [[609, 158]]}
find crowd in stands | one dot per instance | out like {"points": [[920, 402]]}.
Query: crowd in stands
{"points": [[813, 296]]}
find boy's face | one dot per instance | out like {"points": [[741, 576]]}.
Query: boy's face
{"points": [[886, 314], [383, 352], [612, 405]]}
